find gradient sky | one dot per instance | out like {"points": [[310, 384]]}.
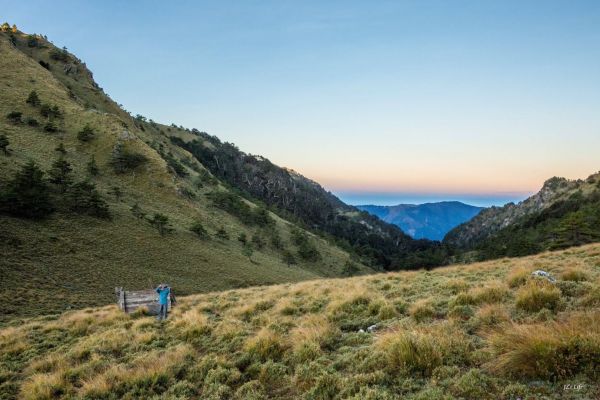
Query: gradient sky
{"points": [[386, 101]]}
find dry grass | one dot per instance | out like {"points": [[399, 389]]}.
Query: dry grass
{"points": [[552, 350], [537, 295], [303, 341]]}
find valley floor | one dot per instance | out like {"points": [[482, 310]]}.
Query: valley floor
{"points": [[480, 331]]}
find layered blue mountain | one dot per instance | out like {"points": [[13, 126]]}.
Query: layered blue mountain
{"points": [[425, 221]]}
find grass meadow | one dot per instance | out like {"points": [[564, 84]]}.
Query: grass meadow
{"points": [[479, 331]]}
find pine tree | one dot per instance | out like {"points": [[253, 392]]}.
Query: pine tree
{"points": [[83, 197], [199, 230], [222, 233], [14, 29], [116, 191], [61, 148], [161, 223], [33, 99], [288, 258], [136, 210], [27, 194], [92, 167], [60, 173], [248, 251], [86, 134], [4, 144]]}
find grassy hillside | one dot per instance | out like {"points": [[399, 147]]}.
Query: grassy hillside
{"points": [[481, 331], [563, 214], [491, 221], [71, 259]]}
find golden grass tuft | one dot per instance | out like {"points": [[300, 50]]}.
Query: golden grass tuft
{"points": [[518, 276], [422, 310], [574, 274], [266, 345], [554, 350], [421, 350], [538, 294], [492, 314]]}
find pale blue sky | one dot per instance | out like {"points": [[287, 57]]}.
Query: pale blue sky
{"points": [[415, 99]]}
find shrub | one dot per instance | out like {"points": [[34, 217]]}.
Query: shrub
{"points": [[306, 249], [552, 350], [350, 269], [27, 194], [199, 230], [14, 117], [86, 134], [288, 258], [537, 295], [32, 122], [574, 275], [50, 127], [222, 233], [44, 64], [243, 238], [33, 99], [258, 241]]}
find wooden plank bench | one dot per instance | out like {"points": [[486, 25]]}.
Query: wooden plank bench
{"points": [[131, 300]]}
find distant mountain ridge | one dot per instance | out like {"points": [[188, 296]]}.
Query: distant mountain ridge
{"points": [[425, 221]]}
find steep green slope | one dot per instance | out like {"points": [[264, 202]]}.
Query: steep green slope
{"points": [[485, 331], [297, 198], [71, 259], [563, 214]]}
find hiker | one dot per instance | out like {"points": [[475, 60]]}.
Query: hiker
{"points": [[163, 300]]}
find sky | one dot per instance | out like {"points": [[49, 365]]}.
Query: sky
{"points": [[381, 102]]}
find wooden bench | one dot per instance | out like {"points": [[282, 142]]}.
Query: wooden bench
{"points": [[131, 300]]}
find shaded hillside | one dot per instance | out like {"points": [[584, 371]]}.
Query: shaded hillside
{"points": [[563, 214], [109, 201], [425, 221], [299, 199], [485, 331]]}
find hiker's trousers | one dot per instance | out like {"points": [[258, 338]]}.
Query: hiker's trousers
{"points": [[162, 311]]}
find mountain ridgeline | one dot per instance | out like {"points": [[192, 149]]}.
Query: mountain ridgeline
{"points": [[425, 221], [305, 202], [562, 214]]}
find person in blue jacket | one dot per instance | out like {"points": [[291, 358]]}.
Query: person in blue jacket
{"points": [[163, 300]]}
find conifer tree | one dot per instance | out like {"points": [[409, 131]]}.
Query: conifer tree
{"points": [[4, 144], [33, 99], [27, 194], [92, 167], [60, 173]]}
